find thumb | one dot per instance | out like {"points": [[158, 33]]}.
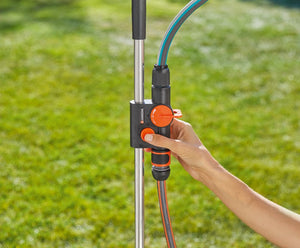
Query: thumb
{"points": [[157, 140], [162, 141]]}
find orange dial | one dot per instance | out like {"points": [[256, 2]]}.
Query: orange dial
{"points": [[145, 131], [161, 115]]}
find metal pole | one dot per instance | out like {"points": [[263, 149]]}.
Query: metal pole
{"points": [[139, 35], [139, 152], [139, 198], [139, 71]]}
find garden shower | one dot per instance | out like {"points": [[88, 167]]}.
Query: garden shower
{"points": [[153, 115]]}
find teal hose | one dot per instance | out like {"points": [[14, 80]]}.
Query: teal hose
{"points": [[174, 27]]}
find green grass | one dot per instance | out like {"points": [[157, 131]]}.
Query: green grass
{"points": [[66, 78]]}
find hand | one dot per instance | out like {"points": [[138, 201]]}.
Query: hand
{"points": [[274, 222], [187, 148]]}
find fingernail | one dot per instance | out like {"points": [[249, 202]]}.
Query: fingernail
{"points": [[148, 137]]}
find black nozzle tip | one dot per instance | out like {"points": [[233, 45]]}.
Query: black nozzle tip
{"points": [[161, 174]]}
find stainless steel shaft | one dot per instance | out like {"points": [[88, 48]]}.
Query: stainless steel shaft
{"points": [[139, 152]]}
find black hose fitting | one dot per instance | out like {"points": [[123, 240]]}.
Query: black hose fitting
{"points": [[161, 173], [161, 96], [161, 76]]}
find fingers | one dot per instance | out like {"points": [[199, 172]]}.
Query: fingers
{"points": [[183, 139], [179, 123], [184, 131], [176, 127], [158, 140], [175, 146]]}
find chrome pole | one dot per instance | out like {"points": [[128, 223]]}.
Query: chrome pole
{"points": [[139, 35], [139, 152]]}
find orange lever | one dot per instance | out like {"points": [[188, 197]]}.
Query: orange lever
{"points": [[162, 115], [177, 113]]}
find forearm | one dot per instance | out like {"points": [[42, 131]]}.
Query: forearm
{"points": [[275, 223]]}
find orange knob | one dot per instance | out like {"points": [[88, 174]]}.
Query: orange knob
{"points": [[161, 115], [145, 131]]}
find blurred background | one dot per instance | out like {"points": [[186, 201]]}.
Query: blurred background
{"points": [[66, 79]]}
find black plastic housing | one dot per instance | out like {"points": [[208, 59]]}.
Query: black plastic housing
{"points": [[140, 118], [161, 95]]}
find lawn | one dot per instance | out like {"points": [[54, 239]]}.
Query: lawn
{"points": [[66, 79]]}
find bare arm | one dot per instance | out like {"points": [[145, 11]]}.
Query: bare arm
{"points": [[276, 223]]}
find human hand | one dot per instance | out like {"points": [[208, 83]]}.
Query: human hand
{"points": [[276, 223], [187, 148]]}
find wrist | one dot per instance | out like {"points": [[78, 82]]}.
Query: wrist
{"points": [[208, 169]]}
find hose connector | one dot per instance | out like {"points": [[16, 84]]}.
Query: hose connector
{"points": [[162, 116]]}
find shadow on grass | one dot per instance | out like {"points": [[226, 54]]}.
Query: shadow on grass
{"points": [[64, 15], [284, 3]]}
